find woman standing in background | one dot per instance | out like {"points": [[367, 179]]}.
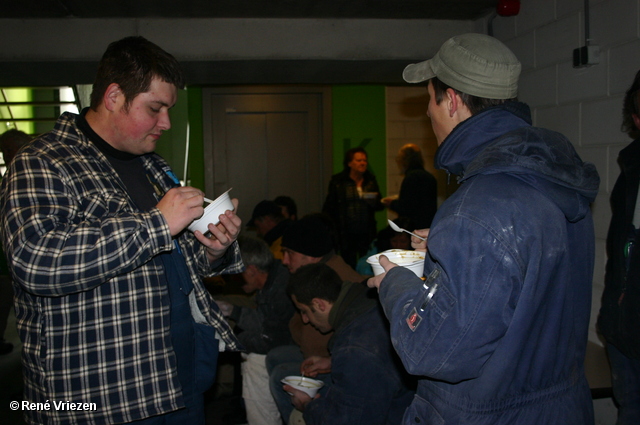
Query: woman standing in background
{"points": [[418, 198], [352, 200]]}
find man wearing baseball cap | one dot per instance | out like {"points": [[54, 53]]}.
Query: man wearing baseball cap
{"points": [[498, 330], [270, 225]]}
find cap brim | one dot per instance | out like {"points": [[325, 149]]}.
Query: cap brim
{"points": [[418, 72]]}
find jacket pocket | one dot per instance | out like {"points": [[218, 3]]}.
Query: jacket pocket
{"points": [[206, 356], [425, 318], [420, 411]]}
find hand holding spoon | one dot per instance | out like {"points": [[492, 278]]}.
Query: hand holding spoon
{"points": [[397, 228]]}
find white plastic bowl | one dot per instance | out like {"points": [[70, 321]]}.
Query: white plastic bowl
{"points": [[305, 384], [412, 260], [212, 212]]}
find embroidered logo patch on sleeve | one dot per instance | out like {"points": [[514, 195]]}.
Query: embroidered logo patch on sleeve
{"points": [[413, 319]]}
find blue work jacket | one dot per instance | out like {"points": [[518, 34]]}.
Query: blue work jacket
{"points": [[498, 331]]}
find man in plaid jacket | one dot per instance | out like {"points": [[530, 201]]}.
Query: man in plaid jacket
{"points": [[109, 301]]}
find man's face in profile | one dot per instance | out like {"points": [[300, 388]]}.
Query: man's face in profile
{"points": [[293, 260]]}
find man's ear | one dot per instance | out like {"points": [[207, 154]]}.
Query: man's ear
{"points": [[457, 106], [111, 96], [251, 269], [320, 304], [452, 101], [636, 120]]}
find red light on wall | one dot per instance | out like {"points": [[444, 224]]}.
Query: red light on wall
{"points": [[508, 7]]}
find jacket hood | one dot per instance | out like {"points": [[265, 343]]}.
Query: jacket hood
{"points": [[501, 140], [351, 303]]}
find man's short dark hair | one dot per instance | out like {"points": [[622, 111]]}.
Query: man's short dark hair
{"points": [[133, 63], [10, 143], [631, 106], [264, 209], [474, 103], [288, 203], [315, 281]]}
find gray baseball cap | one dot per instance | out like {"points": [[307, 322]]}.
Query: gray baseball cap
{"points": [[476, 64]]}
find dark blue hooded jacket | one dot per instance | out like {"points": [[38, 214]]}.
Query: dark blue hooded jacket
{"points": [[498, 332], [368, 384]]}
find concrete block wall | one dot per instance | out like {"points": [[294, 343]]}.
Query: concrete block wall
{"points": [[583, 103], [407, 122]]}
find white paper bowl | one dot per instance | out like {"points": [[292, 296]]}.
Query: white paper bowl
{"points": [[412, 260], [212, 212], [302, 383]]}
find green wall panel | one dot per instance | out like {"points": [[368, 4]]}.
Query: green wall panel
{"points": [[359, 119], [186, 121]]}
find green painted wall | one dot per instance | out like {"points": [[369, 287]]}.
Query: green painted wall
{"points": [[187, 110], [171, 145], [359, 119]]}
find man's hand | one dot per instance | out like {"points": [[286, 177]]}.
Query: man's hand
{"points": [[180, 206], [226, 308], [374, 282], [299, 399], [418, 244], [388, 200], [314, 365], [222, 235]]}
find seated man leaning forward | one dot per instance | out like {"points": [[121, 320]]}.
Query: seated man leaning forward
{"points": [[359, 346], [261, 328], [306, 241]]}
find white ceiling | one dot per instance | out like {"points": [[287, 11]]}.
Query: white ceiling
{"points": [[63, 46]]}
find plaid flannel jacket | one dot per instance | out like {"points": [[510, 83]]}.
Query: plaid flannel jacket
{"points": [[92, 311]]}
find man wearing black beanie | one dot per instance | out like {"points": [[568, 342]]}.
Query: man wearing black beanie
{"points": [[306, 241]]}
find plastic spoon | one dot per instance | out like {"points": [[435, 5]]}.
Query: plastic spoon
{"points": [[395, 227], [208, 201]]}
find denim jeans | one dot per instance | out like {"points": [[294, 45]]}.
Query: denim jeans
{"points": [[285, 361], [625, 377]]}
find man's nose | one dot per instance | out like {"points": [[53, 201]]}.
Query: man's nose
{"points": [[164, 122]]}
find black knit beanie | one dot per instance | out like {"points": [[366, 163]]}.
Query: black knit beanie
{"points": [[309, 236]]}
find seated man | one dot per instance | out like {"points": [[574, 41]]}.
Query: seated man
{"points": [[306, 241], [309, 240], [262, 328], [270, 224], [368, 383], [288, 206]]}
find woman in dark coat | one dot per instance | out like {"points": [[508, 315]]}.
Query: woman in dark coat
{"points": [[418, 198], [351, 202]]}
